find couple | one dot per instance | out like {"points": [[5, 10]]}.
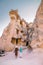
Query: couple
{"points": [[18, 49]]}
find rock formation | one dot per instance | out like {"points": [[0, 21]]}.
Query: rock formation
{"points": [[37, 37], [14, 33], [19, 31]]}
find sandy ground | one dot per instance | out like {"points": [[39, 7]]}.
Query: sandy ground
{"points": [[28, 58]]}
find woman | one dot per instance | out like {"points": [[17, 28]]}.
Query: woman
{"points": [[16, 51], [21, 50]]}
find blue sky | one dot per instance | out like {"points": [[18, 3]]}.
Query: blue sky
{"points": [[26, 9]]}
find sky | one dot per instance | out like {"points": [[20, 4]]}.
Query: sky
{"points": [[26, 8]]}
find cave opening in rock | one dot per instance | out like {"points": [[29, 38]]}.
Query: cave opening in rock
{"points": [[15, 40]]}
